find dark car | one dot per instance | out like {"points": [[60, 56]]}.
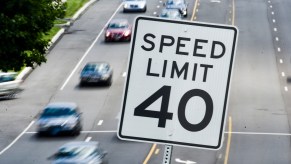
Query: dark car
{"points": [[170, 14], [96, 72], [79, 152], [118, 30], [181, 5], [60, 117]]}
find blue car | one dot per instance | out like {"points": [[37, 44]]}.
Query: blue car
{"points": [[96, 72], [181, 5]]}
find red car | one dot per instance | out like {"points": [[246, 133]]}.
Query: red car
{"points": [[118, 30]]}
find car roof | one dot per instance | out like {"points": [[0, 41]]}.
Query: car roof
{"points": [[62, 104], [81, 144]]}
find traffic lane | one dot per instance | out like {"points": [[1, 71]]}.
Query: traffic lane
{"points": [[278, 19], [43, 82], [214, 11], [31, 149], [256, 102], [94, 98], [260, 149]]}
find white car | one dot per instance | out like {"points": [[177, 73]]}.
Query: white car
{"points": [[9, 84], [134, 5]]}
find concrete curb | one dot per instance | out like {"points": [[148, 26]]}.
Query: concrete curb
{"points": [[27, 70]]}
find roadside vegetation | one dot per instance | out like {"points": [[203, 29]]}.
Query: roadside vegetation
{"points": [[72, 7]]}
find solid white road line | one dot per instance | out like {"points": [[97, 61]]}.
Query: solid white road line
{"points": [[255, 133], [88, 50], [247, 133], [17, 138], [102, 131]]}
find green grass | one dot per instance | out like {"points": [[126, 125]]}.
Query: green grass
{"points": [[72, 7]]}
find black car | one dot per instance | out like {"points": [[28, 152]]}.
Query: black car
{"points": [[60, 117], [79, 152], [181, 5], [96, 72]]}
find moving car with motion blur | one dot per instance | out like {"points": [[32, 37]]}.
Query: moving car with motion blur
{"points": [[170, 14], [118, 30], [134, 5], [79, 152], [96, 72], [9, 84], [181, 5], [59, 117]]}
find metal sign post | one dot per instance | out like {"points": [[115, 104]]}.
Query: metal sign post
{"points": [[167, 154]]}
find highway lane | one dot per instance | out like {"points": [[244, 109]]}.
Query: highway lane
{"points": [[256, 102]]}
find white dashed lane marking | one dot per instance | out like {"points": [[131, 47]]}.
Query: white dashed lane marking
{"points": [[283, 74], [281, 61], [100, 122], [88, 139], [286, 89]]}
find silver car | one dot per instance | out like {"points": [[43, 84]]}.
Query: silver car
{"points": [[9, 84], [79, 152], [134, 5], [59, 117]]}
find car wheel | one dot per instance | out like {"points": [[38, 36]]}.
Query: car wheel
{"points": [[145, 9], [109, 82]]}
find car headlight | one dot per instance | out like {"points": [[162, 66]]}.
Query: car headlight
{"points": [[71, 124], [105, 76], [107, 33], [127, 32], [43, 124]]}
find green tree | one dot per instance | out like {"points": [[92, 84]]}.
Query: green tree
{"points": [[23, 23]]}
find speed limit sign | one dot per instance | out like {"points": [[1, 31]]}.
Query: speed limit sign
{"points": [[178, 82]]}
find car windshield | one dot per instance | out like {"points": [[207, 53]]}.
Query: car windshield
{"points": [[118, 25], [95, 68], [58, 111], [169, 14], [6, 78], [89, 68], [76, 151]]}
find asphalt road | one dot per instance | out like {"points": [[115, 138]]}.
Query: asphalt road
{"points": [[258, 121]]}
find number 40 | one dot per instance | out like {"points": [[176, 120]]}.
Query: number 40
{"points": [[164, 115]]}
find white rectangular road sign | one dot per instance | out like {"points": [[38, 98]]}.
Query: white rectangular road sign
{"points": [[176, 91]]}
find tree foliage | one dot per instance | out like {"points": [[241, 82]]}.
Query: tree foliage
{"points": [[23, 23]]}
